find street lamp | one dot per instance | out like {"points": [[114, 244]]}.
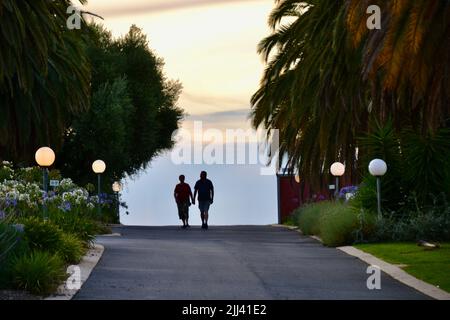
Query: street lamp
{"points": [[117, 187], [98, 167], [337, 170], [378, 168], [45, 157]]}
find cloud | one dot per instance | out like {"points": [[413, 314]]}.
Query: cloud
{"points": [[214, 101], [241, 115], [234, 119], [138, 7]]}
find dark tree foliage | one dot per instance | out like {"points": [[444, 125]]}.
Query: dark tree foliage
{"points": [[133, 110], [44, 76]]}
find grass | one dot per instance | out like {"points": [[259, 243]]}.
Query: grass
{"points": [[39, 273], [432, 266], [336, 223]]}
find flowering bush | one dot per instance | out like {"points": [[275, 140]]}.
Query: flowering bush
{"points": [[348, 192], [22, 197], [6, 171], [35, 251]]}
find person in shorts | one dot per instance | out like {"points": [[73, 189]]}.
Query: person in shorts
{"points": [[183, 197], [205, 190]]}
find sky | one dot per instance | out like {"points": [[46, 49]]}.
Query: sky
{"points": [[210, 46]]}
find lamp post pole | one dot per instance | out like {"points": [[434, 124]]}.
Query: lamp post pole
{"points": [[337, 170], [99, 181], [378, 168], [379, 197], [118, 206], [45, 179], [336, 192], [117, 187], [45, 157], [98, 167]]}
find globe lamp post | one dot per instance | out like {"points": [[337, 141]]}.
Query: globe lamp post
{"points": [[378, 168], [337, 170], [117, 187], [45, 157], [98, 167]]}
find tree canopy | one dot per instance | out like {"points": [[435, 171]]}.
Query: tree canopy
{"points": [[81, 92], [133, 109], [44, 76], [328, 77]]}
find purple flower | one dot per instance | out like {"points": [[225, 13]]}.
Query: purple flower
{"points": [[11, 203], [349, 189], [66, 206]]}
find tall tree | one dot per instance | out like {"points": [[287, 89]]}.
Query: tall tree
{"points": [[44, 76], [133, 109], [309, 90], [328, 76], [407, 61]]}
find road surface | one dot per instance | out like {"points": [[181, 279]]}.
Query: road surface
{"points": [[227, 263]]}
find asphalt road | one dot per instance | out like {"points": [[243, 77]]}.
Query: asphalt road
{"points": [[242, 262]]}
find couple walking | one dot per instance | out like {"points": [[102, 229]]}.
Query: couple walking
{"points": [[183, 196]]}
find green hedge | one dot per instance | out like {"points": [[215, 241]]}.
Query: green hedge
{"points": [[336, 223]]}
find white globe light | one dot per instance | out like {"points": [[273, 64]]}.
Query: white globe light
{"points": [[117, 187], [337, 169], [377, 167], [45, 157], [99, 166]]}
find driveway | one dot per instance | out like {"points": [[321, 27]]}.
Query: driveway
{"points": [[226, 263]]}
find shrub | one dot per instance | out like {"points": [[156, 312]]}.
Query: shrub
{"points": [[11, 245], [46, 235], [6, 171], [418, 167], [366, 196], [38, 272], [309, 216], [76, 223], [31, 174], [42, 235], [336, 223], [103, 229], [71, 248], [432, 225], [344, 225]]}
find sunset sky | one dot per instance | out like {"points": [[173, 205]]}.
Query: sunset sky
{"points": [[210, 46]]}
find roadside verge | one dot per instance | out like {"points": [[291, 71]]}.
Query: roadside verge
{"points": [[397, 273], [390, 269], [86, 266]]}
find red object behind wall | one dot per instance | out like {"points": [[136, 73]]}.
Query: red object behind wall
{"points": [[289, 197], [292, 195]]}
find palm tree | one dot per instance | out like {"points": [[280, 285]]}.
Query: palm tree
{"points": [[309, 90], [328, 76], [407, 62], [44, 76]]}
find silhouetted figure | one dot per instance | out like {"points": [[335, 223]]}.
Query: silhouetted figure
{"points": [[183, 197], [205, 190]]}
